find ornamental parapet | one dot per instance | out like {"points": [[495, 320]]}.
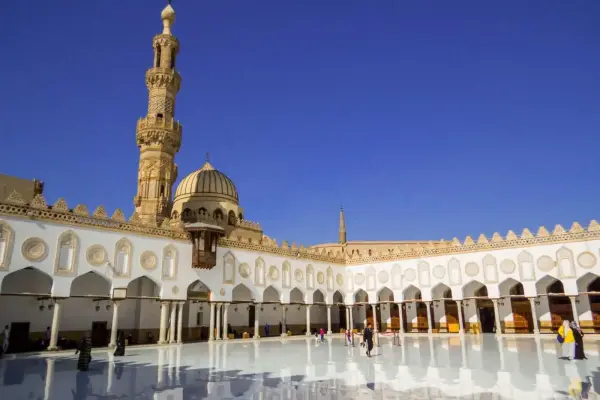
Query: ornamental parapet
{"points": [[159, 77], [14, 205], [156, 130]]}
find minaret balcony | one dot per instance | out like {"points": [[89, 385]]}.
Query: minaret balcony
{"points": [[159, 77], [154, 130]]}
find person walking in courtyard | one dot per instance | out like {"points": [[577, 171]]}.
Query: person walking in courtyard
{"points": [[5, 337], [349, 336], [322, 333], [85, 353], [120, 350], [579, 354], [568, 341], [47, 336], [267, 329], [368, 339]]}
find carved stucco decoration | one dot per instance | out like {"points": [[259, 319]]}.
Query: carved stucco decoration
{"points": [[439, 272], [471, 269], [118, 215], [508, 266], [222, 292], [299, 275], [244, 270], [273, 273], [383, 276], [96, 255], [410, 274], [339, 278], [81, 210], [60, 205], [587, 260], [320, 278], [7, 240], [359, 279], [15, 198], [545, 263], [39, 202], [34, 249], [123, 258], [149, 260], [175, 290]]}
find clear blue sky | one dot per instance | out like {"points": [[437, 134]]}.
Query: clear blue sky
{"points": [[426, 119]]}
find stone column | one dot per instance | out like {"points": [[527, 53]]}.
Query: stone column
{"points": [[401, 317], [308, 320], [497, 316], [55, 326], [429, 327], [351, 319], [461, 325], [49, 378], [115, 325], [211, 325], [347, 317], [164, 316], [329, 320], [536, 328], [374, 306], [283, 323], [256, 321], [173, 322], [219, 321], [180, 323], [574, 306], [225, 309]]}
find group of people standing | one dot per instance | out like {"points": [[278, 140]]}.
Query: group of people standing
{"points": [[84, 349], [570, 336]]}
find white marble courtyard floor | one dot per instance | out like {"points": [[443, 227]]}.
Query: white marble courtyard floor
{"points": [[438, 367]]}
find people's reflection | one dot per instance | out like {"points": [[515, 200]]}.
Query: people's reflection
{"points": [[82, 386]]}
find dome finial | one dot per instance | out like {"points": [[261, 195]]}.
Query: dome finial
{"points": [[207, 156], [168, 18]]}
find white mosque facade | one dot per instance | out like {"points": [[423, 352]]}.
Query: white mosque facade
{"points": [[187, 266]]}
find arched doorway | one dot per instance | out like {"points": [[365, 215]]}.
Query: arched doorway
{"points": [[197, 307], [89, 292], [514, 308], [296, 312], [559, 305], [479, 310], [338, 300], [360, 309], [387, 311], [444, 310], [143, 295], [415, 310]]}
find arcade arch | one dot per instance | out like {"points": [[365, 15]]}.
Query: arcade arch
{"points": [[444, 310], [514, 308]]}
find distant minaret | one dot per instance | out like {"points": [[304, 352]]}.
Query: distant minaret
{"points": [[158, 133], [342, 226]]}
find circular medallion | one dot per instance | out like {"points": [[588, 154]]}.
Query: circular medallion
{"points": [[175, 290], [545, 263], [339, 278], [359, 279], [410, 274], [273, 273], [96, 255], [222, 292], [299, 275], [320, 278], [586, 260], [244, 270], [508, 266], [439, 272], [148, 260], [471, 269], [34, 249], [383, 276]]}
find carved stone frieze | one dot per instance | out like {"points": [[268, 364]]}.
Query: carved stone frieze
{"points": [[148, 260], [34, 249], [96, 255]]}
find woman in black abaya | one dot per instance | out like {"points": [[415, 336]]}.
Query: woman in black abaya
{"points": [[578, 336]]}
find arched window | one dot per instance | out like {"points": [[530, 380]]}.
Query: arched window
{"points": [[231, 218], [175, 215], [218, 214], [187, 213], [162, 190], [158, 55], [241, 216], [172, 58], [202, 211]]}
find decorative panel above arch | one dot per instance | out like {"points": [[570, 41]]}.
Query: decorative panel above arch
{"points": [[170, 259], [67, 251], [490, 269], [229, 268], [259, 272], [526, 267], [123, 256], [7, 240], [566, 263]]}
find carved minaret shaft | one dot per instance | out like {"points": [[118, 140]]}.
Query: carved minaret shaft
{"points": [[158, 134], [342, 227]]}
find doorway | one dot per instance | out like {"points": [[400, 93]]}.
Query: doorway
{"points": [[100, 333], [18, 339], [251, 317], [487, 317]]}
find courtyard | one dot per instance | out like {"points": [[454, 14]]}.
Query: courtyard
{"points": [[421, 366]]}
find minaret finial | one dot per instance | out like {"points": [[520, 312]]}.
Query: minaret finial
{"points": [[168, 18], [342, 226]]}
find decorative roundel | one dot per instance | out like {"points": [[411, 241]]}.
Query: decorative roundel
{"points": [[244, 270], [471, 269], [148, 260], [320, 278], [222, 291], [587, 260], [175, 290], [545, 263], [339, 279], [359, 279], [34, 249], [299, 275], [96, 255], [410, 274], [507, 266], [273, 273], [439, 272], [383, 276]]}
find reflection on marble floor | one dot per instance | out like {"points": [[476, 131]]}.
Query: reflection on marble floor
{"points": [[438, 367]]}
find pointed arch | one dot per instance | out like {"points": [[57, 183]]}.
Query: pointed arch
{"points": [[271, 294], [318, 296], [243, 293], [296, 296], [144, 286], [338, 297], [229, 268], [170, 259], [67, 253], [441, 291], [412, 293], [27, 280], [123, 256], [385, 294], [90, 284], [7, 240], [584, 281], [510, 287], [198, 290], [544, 284], [360, 296], [474, 288]]}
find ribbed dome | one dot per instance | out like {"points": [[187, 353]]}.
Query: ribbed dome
{"points": [[207, 181]]}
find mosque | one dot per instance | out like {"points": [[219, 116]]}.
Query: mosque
{"points": [[188, 266]]}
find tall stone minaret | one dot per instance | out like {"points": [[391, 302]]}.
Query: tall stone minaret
{"points": [[158, 134], [342, 226]]}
